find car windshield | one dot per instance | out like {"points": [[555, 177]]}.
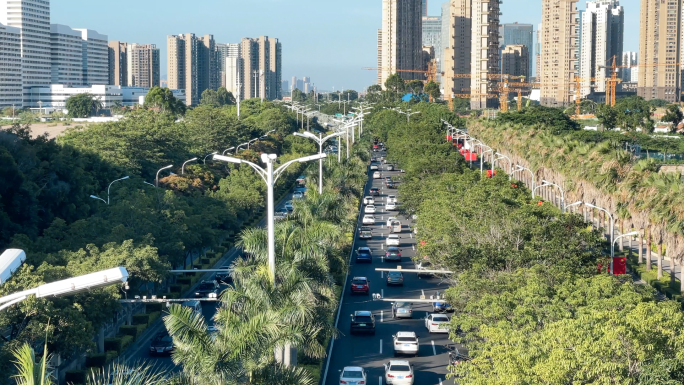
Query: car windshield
{"points": [[394, 274], [363, 318], [163, 339], [406, 339], [403, 304], [440, 319], [400, 368], [352, 374], [364, 252], [359, 282], [206, 286]]}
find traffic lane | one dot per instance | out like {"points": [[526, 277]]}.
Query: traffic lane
{"points": [[141, 354], [372, 352]]}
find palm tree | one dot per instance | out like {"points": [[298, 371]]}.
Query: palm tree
{"points": [[30, 371], [121, 374]]}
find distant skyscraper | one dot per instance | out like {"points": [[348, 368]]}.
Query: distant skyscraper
{"points": [[660, 43], [294, 83], [558, 63], [402, 47], [285, 86], [143, 63], [537, 60], [32, 17], [193, 65], [379, 77], [458, 52], [231, 56], [95, 57], [485, 52], [224, 51], [66, 53], [424, 8], [262, 67], [432, 31], [118, 63], [519, 34], [306, 84], [602, 38], [300, 85], [10, 67], [629, 59], [515, 60]]}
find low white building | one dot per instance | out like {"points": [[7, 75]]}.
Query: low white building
{"points": [[54, 97]]}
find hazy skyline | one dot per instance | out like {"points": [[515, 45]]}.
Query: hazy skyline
{"points": [[326, 40]]}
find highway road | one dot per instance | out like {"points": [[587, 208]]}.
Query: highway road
{"points": [[372, 352]]}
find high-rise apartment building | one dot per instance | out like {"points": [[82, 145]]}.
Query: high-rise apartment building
{"points": [[379, 75], [233, 81], [444, 41], [32, 17], [515, 60], [143, 66], [118, 62], [224, 51], [262, 67], [602, 39], [402, 47], [558, 60], [193, 65], [485, 53], [95, 57], [660, 50], [457, 63], [432, 36], [294, 83], [519, 34], [424, 8], [66, 55], [537, 58], [630, 59], [285, 86], [11, 93], [306, 84]]}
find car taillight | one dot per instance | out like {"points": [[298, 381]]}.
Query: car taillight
{"points": [[410, 311], [435, 324], [389, 375], [362, 382], [343, 382], [409, 376]]}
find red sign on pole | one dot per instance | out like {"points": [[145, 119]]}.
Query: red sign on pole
{"points": [[619, 265]]}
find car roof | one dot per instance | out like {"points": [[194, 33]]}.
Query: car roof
{"points": [[406, 334], [208, 281], [399, 362], [393, 248], [394, 236], [359, 278], [363, 313], [352, 368], [364, 248]]}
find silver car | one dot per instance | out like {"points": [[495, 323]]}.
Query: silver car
{"points": [[402, 310], [406, 343], [399, 373]]}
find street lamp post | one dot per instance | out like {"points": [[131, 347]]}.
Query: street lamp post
{"points": [[228, 149], [69, 286], [521, 168], [612, 233], [110, 186], [160, 170], [561, 191], [510, 163], [186, 162], [320, 140], [270, 176], [213, 153]]}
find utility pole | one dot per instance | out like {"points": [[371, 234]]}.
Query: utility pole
{"points": [[256, 74]]}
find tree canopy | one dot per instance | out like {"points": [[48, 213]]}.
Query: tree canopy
{"points": [[83, 105]]}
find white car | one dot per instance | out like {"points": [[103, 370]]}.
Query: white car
{"points": [[399, 373], [391, 199], [390, 220], [374, 167], [391, 206], [369, 209], [368, 201], [353, 375], [368, 220], [437, 323], [298, 195], [393, 240], [376, 175], [405, 343]]}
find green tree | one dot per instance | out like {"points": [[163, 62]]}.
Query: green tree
{"points": [[674, 116], [30, 371], [658, 102], [432, 89], [350, 94], [163, 99], [83, 105], [217, 98], [395, 86], [634, 112], [415, 86], [298, 96], [607, 116]]}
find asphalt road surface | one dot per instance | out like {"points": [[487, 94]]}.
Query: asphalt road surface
{"points": [[373, 351]]}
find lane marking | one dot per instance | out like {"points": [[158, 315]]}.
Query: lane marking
{"points": [[382, 315], [380, 346], [413, 247], [382, 246], [382, 274], [434, 351], [440, 381], [382, 293], [411, 235], [380, 381]]}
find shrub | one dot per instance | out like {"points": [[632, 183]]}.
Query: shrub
{"points": [[95, 360], [154, 307], [111, 355], [184, 281], [173, 294], [206, 261], [141, 319], [126, 341], [75, 376], [133, 330], [113, 344], [154, 316]]}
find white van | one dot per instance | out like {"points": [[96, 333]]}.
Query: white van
{"points": [[395, 227], [194, 305]]}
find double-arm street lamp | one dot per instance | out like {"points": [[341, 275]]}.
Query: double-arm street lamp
{"points": [[546, 183], [108, 188], [160, 170], [502, 156], [320, 140], [228, 149], [270, 177], [11, 259], [521, 168]]}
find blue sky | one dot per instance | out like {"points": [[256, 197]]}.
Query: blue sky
{"points": [[327, 40]]}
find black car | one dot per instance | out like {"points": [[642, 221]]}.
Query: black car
{"points": [[224, 276], [362, 322], [375, 191], [162, 344], [391, 184], [393, 254], [206, 288], [365, 232]]}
